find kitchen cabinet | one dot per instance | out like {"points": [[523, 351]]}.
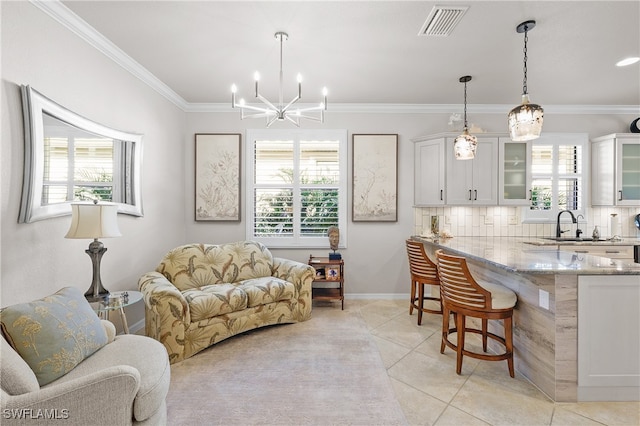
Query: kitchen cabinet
{"points": [[499, 174], [615, 170], [429, 177], [514, 177], [473, 182], [602, 250], [608, 338]]}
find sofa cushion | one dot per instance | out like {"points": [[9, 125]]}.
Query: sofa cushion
{"points": [[146, 355], [198, 265], [261, 291], [16, 377], [53, 334], [213, 300]]}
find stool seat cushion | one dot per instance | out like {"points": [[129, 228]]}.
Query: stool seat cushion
{"points": [[501, 296]]}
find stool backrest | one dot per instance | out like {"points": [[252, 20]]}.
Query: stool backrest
{"points": [[421, 267], [457, 286]]}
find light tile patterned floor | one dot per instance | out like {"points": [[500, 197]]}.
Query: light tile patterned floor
{"points": [[431, 393]]}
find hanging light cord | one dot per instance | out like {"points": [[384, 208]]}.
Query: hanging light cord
{"points": [[524, 81], [465, 105]]}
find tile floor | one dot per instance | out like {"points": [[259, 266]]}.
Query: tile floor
{"points": [[431, 393]]}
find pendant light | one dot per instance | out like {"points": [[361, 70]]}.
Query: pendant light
{"points": [[464, 146], [525, 121]]}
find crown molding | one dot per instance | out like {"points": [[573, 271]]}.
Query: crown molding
{"points": [[58, 11], [436, 108]]}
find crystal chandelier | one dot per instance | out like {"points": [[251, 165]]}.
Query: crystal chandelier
{"points": [[525, 121], [279, 112], [464, 146]]}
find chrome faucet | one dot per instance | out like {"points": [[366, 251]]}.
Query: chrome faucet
{"points": [[573, 219], [578, 230]]}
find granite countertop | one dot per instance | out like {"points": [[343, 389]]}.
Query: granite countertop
{"points": [[567, 242], [517, 254]]}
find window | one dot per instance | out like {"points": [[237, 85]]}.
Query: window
{"points": [[77, 165], [558, 164], [296, 186]]}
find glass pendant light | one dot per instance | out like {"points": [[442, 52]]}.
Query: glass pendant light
{"points": [[525, 121], [464, 146]]}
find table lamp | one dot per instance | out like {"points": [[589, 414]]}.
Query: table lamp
{"points": [[93, 221]]}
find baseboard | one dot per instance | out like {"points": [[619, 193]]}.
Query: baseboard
{"points": [[136, 327], [380, 296]]}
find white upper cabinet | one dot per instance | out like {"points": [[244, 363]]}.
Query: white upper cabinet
{"points": [[429, 175], [440, 179], [473, 182], [514, 178], [615, 170]]}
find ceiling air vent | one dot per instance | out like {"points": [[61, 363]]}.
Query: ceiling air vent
{"points": [[442, 20]]}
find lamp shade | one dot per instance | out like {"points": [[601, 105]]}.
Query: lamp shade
{"points": [[525, 121], [464, 146], [92, 221]]}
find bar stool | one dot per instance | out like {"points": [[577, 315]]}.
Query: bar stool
{"points": [[465, 296], [423, 272]]}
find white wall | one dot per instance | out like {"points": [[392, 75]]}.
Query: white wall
{"points": [[36, 258], [375, 257]]}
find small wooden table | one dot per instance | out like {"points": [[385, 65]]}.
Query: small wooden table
{"points": [[328, 283]]}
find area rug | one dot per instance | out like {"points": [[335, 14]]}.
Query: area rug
{"points": [[325, 371]]}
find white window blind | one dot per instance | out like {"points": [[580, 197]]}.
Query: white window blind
{"points": [[296, 184], [558, 164]]}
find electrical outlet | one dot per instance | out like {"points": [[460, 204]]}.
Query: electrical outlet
{"points": [[513, 220], [543, 297], [447, 220], [488, 220]]}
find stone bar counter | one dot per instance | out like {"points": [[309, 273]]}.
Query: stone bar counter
{"points": [[546, 281]]}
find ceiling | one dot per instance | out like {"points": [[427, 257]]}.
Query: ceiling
{"points": [[369, 52]]}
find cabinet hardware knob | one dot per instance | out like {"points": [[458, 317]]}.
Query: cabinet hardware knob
{"points": [[476, 194], [620, 192], [469, 195], [441, 199], [530, 195]]}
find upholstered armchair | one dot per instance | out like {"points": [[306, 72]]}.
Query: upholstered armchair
{"points": [[124, 381]]}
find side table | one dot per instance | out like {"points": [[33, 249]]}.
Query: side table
{"points": [[117, 301]]}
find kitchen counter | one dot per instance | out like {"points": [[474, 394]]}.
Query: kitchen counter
{"points": [[546, 282], [537, 256]]}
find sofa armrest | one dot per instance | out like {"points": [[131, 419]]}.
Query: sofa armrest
{"points": [[102, 397], [301, 276], [167, 313]]}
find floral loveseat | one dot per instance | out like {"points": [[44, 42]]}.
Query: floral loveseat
{"points": [[201, 294]]}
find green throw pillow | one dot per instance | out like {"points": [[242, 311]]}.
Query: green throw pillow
{"points": [[53, 334]]}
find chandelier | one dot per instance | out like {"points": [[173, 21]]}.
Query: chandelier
{"points": [[525, 120], [464, 146], [279, 111]]}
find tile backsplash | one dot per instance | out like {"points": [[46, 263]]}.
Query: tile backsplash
{"points": [[501, 221]]}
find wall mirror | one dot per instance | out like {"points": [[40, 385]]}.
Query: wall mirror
{"points": [[70, 158]]}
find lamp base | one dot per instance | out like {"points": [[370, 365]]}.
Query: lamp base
{"points": [[96, 292]]}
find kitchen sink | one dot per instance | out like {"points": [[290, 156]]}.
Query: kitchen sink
{"points": [[575, 240]]}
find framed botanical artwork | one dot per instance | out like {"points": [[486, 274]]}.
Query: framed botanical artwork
{"points": [[217, 180], [332, 273], [375, 178]]}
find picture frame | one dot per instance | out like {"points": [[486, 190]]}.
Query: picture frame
{"points": [[217, 176], [375, 178], [332, 273], [320, 273]]}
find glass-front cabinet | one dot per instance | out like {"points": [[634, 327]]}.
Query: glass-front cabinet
{"points": [[615, 170], [629, 171], [515, 173]]}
